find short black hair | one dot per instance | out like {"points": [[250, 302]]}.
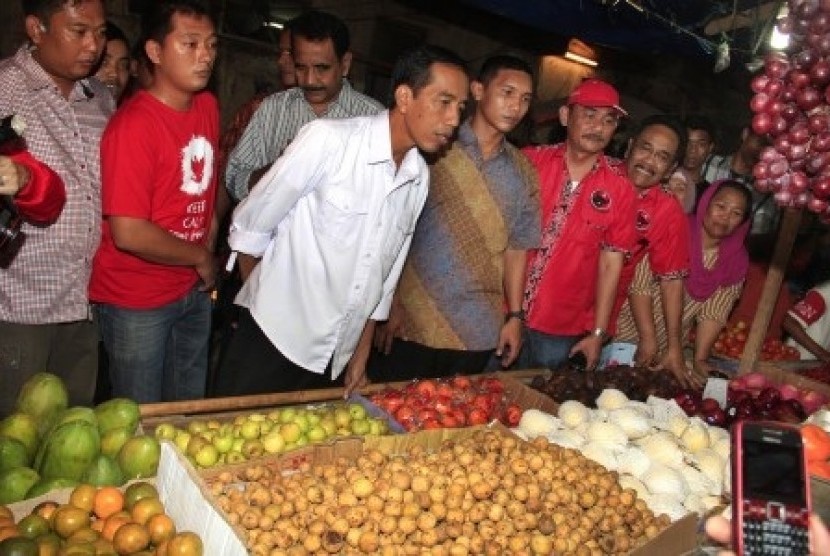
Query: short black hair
{"points": [[314, 25], [740, 188], [44, 9], [158, 21], [697, 122], [670, 122], [114, 33], [413, 67], [494, 64]]}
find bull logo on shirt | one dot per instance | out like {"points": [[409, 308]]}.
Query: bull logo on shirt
{"points": [[643, 221], [197, 166], [601, 200]]}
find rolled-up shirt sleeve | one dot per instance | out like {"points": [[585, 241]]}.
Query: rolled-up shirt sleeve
{"points": [[291, 177]]}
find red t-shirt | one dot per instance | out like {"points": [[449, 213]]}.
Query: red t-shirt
{"points": [[158, 164], [662, 233], [599, 215]]}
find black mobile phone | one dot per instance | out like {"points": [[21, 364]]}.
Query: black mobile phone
{"points": [[770, 489]]}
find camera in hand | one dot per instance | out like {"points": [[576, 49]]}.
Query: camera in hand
{"points": [[11, 236]]}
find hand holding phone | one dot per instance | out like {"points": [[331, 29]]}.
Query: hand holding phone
{"points": [[770, 490]]}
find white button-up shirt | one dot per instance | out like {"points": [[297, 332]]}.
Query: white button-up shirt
{"points": [[332, 220]]}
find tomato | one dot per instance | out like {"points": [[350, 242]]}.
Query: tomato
{"points": [[512, 415], [819, 469], [461, 382], [477, 416], [816, 442], [426, 388]]}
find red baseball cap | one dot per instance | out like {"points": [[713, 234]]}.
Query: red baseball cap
{"points": [[596, 93]]}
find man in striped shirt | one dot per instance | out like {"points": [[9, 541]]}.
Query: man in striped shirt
{"points": [[45, 322], [322, 61]]}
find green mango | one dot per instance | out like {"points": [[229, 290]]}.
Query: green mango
{"points": [[76, 413], [23, 427], [15, 483], [103, 471], [13, 453], [68, 450], [44, 486], [113, 440], [44, 397], [116, 413], [139, 457]]}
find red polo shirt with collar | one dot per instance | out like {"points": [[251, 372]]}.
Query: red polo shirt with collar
{"points": [[597, 214]]}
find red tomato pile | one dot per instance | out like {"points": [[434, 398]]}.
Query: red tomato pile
{"points": [[448, 403], [732, 339], [816, 449]]}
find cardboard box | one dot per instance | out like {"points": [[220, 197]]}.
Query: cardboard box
{"points": [[678, 539], [181, 491]]}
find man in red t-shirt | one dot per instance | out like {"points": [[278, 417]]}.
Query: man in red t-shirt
{"points": [[663, 235], [587, 230], [155, 263]]}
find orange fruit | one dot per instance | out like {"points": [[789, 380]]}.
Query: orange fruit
{"points": [[816, 442], [185, 544], [112, 524], [83, 497], [130, 538], [137, 491], [161, 528], [68, 519], [83, 535], [146, 508], [108, 500], [9, 531], [97, 525]]}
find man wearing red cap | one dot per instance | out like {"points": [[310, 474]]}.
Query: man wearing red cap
{"points": [[587, 230]]}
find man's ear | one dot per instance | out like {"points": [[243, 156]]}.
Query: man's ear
{"points": [[564, 112], [346, 63], [153, 51], [35, 29], [403, 98], [477, 90]]}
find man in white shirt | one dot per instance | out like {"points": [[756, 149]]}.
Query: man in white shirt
{"points": [[332, 221]]}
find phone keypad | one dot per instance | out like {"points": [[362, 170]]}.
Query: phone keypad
{"points": [[774, 538]]}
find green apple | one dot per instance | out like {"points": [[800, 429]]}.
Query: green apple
{"points": [[360, 427], [290, 432], [329, 426], [357, 411], [375, 426], [234, 457], [342, 417], [302, 441], [196, 443], [249, 430], [302, 421], [196, 427], [223, 443], [209, 434], [207, 456], [265, 427], [273, 442], [252, 448], [182, 439], [226, 429], [316, 434], [313, 418], [237, 444], [165, 431], [287, 414]]}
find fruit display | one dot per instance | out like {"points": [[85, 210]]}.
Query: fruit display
{"points": [[674, 463], [792, 107], [637, 383], [448, 403], [98, 520], [486, 493], [46, 445], [753, 396], [732, 340], [212, 442], [816, 442]]}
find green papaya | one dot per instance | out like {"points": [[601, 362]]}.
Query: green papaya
{"points": [[103, 471], [112, 440], [24, 428], [13, 453], [44, 486], [68, 450], [15, 483], [117, 412], [76, 413], [43, 397]]}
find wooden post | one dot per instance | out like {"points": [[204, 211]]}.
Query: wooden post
{"points": [[772, 286]]}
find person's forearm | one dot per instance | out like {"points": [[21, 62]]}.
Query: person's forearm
{"points": [[672, 300], [150, 242], [514, 277], [641, 311], [610, 265], [799, 334], [705, 337], [364, 345]]}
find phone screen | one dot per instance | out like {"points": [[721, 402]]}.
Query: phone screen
{"points": [[773, 472]]}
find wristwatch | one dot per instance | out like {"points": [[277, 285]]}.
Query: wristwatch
{"points": [[600, 333], [514, 315]]}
